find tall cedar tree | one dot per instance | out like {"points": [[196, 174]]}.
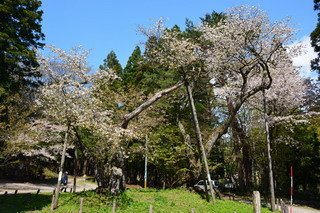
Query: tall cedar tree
{"points": [[315, 40], [132, 71], [20, 32], [112, 62]]}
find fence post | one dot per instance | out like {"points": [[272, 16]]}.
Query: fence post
{"points": [[38, 191], [151, 209], [114, 206], [192, 210], [284, 207], [16, 192], [256, 202], [81, 205]]}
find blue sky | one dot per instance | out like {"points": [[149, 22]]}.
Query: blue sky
{"points": [[105, 25]]}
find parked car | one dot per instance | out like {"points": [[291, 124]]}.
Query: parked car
{"points": [[200, 185], [229, 185]]}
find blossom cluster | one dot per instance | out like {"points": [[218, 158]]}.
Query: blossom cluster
{"points": [[245, 48]]}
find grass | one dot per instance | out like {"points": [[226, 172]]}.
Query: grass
{"points": [[133, 200]]}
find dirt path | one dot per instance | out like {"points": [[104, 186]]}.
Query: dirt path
{"points": [[27, 187]]}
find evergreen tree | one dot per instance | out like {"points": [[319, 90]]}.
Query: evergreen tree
{"points": [[134, 60], [315, 38], [20, 32], [132, 71], [112, 62]]}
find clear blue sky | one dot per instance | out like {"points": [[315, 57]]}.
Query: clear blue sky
{"points": [[105, 25]]}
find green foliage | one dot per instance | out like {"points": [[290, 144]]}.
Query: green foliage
{"points": [[213, 19], [20, 32], [303, 154], [134, 70], [112, 62], [134, 61], [315, 38]]}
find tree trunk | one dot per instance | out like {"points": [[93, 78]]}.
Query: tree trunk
{"points": [[242, 148], [199, 138], [117, 182]]}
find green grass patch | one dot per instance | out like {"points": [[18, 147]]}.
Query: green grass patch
{"points": [[133, 200], [49, 174]]}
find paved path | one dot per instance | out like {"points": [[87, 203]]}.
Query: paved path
{"points": [[300, 209], [27, 187], [295, 208]]}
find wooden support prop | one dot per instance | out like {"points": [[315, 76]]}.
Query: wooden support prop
{"points": [[54, 191], [192, 210], [5, 193], [70, 189], [38, 191], [52, 202], [284, 207], [151, 209], [114, 206], [16, 191], [256, 202], [81, 205]]}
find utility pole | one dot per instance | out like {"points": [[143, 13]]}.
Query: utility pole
{"points": [[266, 121]]}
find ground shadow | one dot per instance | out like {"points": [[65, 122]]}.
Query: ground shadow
{"points": [[24, 202]]}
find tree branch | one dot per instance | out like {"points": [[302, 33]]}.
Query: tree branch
{"points": [[128, 117]]}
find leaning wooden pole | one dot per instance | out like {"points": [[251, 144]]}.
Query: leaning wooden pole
{"points": [[75, 165], [146, 164], [57, 191], [199, 138], [271, 185]]}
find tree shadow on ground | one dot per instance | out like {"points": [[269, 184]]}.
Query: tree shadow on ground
{"points": [[24, 202]]}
